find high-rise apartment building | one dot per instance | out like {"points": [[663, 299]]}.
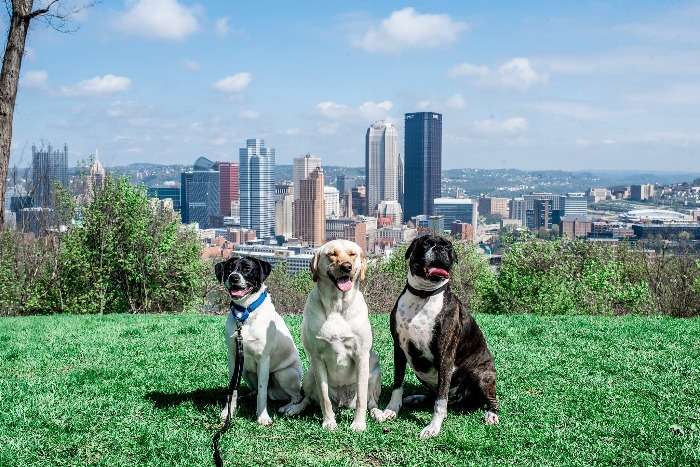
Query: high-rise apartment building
{"points": [[284, 210], [303, 166], [517, 209], [199, 195], [229, 188], [642, 192], [49, 166], [422, 162], [309, 211], [381, 164], [257, 191]]}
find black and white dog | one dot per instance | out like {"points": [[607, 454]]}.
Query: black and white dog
{"points": [[271, 363], [435, 333]]}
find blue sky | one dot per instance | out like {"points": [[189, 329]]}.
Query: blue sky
{"points": [[563, 85]]}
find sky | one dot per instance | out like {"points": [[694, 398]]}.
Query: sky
{"points": [[547, 85]]}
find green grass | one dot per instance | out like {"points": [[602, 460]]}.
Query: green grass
{"points": [[143, 390]]}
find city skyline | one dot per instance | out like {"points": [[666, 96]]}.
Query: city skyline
{"points": [[551, 88]]}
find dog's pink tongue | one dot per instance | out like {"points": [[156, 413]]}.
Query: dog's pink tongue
{"points": [[438, 272], [240, 293], [345, 284]]}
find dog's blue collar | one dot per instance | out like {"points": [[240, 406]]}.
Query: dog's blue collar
{"points": [[241, 313]]}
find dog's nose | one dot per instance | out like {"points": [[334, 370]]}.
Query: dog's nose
{"points": [[236, 278], [346, 266]]}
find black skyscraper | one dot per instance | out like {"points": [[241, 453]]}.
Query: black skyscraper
{"points": [[423, 162]]}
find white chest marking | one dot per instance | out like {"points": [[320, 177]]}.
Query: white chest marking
{"points": [[415, 321]]}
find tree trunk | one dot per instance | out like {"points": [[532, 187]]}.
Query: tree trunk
{"points": [[9, 78]]}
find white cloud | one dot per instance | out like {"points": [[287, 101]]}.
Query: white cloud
{"points": [[575, 110], [368, 110], [375, 110], [406, 28], [221, 26], [330, 109], [234, 83], [159, 19], [424, 104], [329, 128], [517, 73], [455, 101], [493, 127], [35, 79], [249, 114], [98, 86], [191, 65]]}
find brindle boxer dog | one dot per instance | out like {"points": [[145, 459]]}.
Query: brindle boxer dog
{"points": [[435, 333]]}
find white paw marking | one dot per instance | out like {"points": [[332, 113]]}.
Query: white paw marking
{"points": [[491, 418], [358, 426], [264, 419], [330, 424], [377, 414], [430, 431]]}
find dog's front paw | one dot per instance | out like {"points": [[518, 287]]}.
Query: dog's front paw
{"points": [[383, 415], [430, 431], [358, 426], [491, 418], [377, 414], [330, 424], [264, 419], [224, 412]]}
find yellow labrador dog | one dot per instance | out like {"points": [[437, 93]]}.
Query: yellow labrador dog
{"points": [[337, 337]]}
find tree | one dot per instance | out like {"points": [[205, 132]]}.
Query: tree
{"points": [[22, 13]]}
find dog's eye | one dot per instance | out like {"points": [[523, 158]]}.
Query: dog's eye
{"points": [[352, 254]]}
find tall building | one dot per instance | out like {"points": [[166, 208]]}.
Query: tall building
{"points": [[331, 201], [95, 179], [303, 166], [345, 183], [575, 205], [163, 193], [641, 192], [49, 166], [490, 206], [309, 212], [229, 187], [422, 162], [359, 206], [199, 195], [400, 180], [381, 164], [556, 205], [457, 210], [540, 216], [517, 209], [257, 201], [284, 209]]}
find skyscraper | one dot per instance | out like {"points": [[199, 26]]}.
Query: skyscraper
{"points": [[49, 166], [229, 189], [199, 194], [309, 212], [331, 201], [303, 166], [257, 165], [284, 196], [381, 165], [345, 183], [95, 179], [423, 162]]}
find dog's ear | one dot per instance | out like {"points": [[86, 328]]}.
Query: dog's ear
{"points": [[453, 254], [411, 247], [219, 271], [363, 266], [314, 265], [264, 269]]}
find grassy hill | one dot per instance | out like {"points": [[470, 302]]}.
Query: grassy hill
{"points": [[144, 390]]}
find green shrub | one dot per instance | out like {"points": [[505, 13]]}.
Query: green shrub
{"points": [[570, 277]]}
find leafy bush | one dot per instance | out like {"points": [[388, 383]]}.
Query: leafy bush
{"points": [[571, 277]]}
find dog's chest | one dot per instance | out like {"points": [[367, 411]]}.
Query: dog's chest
{"points": [[415, 324]]}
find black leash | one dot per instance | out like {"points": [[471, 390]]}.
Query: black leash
{"points": [[231, 396]]}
